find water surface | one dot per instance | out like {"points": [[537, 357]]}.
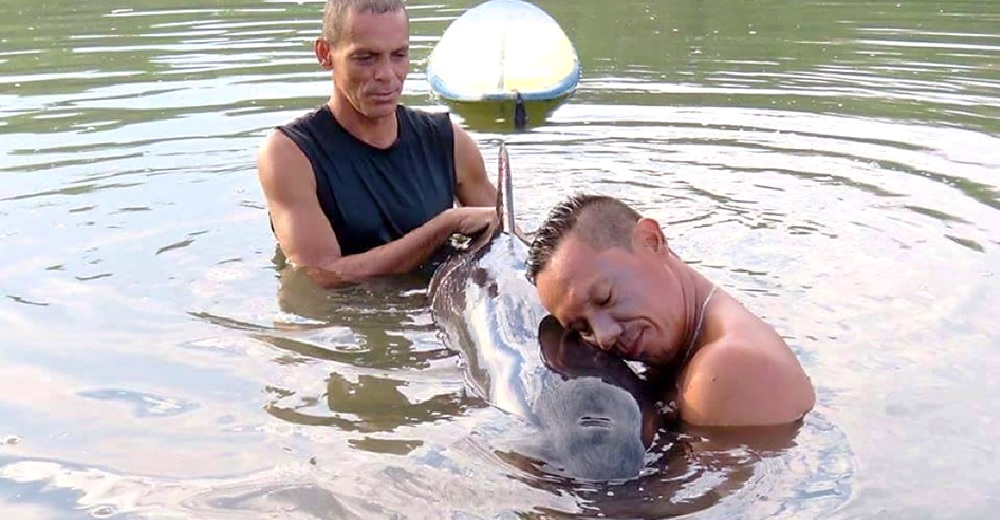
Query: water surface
{"points": [[834, 165]]}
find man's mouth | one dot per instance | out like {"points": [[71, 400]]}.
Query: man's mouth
{"points": [[630, 348]]}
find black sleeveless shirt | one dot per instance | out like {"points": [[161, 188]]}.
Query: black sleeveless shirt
{"points": [[374, 196]]}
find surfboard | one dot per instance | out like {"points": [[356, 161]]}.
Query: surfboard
{"points": [[502, 48]]}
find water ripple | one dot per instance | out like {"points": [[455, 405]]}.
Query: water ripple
{"points": [[832, 164]]}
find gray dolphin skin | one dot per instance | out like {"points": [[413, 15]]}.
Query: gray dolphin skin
{"points": [[588, 406]]}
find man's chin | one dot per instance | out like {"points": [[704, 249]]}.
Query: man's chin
{"points": [[383, 105], [377, 110]]}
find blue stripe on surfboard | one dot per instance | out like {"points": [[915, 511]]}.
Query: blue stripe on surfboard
{"points": [[566, 86]]}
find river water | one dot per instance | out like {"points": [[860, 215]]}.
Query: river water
{"points": [[834, 165]]}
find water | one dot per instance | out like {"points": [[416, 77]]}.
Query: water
{"points": [[834, 165]]}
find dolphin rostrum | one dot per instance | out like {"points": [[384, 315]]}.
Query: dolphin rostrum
{"points": [[590, 408]]}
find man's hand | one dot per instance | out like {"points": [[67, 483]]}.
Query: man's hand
{"points": [[471, 220]]}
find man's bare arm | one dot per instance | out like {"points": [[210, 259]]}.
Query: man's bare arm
{"points": [[474, 186], [307, 239]]}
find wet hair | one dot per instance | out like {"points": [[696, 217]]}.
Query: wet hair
{"points": [[601, 221], [336, 12]]}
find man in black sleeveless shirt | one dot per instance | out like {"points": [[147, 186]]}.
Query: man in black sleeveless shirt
{"points": [[363, 186]]}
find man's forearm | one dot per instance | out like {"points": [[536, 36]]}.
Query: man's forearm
{"points": [[397, 257]]}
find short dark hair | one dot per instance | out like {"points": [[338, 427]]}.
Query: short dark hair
{"points": [[603, 221], [336, 12]]}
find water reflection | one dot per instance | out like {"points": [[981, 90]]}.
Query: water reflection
{"points": [[500, 117], [370, 404], [831, 163], [365, 325], [367, 331], [690, 472]]}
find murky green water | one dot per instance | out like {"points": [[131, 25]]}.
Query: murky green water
{"points": [[836, 165]]}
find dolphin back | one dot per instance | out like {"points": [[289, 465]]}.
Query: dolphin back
{"points": [[487, 310]]}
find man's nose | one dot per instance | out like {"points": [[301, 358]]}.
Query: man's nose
{"points": [[383, 71], [606, 332]]}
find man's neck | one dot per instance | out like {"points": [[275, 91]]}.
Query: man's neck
{"points": [[697, 290], [378, 132]]}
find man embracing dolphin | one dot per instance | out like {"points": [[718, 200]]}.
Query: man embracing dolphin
{"points": [[591, 410]]}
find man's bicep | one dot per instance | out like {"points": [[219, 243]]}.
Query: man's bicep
{"points": [[302, 229], [473, 184], [304, 234]]}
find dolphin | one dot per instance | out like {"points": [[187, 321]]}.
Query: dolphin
{"points": [[595, 416]]}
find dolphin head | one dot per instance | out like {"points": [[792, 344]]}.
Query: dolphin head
{"points": [[593, 429], [601, 417]]}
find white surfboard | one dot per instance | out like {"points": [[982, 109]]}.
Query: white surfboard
{"points": [[501, 48]]}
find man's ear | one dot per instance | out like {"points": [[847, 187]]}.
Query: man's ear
{"points": [[322, 50], [647, 236]]}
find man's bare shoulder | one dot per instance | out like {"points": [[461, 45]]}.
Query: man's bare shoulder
{"points": [[281, 164], [745, 376], [278, 149], [466, 150]]}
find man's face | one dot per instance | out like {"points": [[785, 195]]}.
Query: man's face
{"points": [[371, 60], [617, 300]]}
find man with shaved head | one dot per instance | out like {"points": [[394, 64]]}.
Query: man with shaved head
{"points": [[363, 186], [606, 272]]}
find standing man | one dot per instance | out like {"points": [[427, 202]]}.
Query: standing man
{"points": [[363, 186], [604, 271]]}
